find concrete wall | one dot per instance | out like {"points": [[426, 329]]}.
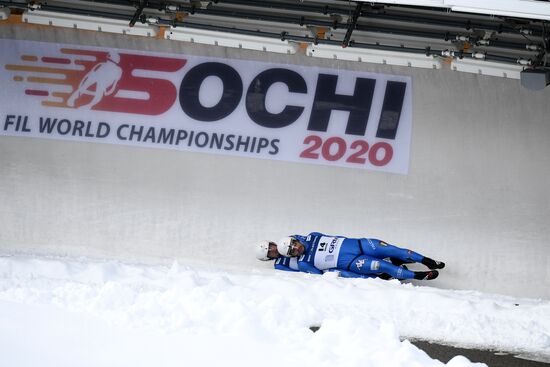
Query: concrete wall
{"points": [[476, 195]]}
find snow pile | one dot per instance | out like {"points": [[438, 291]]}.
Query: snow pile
{"points": [[55, 312]]}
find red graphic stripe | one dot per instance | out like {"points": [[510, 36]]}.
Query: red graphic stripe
{"points": [[33, 92], [56, 60]]}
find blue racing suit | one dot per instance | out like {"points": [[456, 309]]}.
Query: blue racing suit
{"points": [[291, 264], [352, 257]]}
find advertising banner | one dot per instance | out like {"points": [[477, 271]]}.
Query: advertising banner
{"points": [[204, 104]]}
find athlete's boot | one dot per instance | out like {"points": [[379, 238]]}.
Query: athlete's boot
{"points": [[426, 275], [432, 264]]}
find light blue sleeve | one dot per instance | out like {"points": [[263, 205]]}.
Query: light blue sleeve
{"points": [[308, 268], [284, 263]]}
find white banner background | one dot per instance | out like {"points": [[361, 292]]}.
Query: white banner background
{"points": [[35, 87]]}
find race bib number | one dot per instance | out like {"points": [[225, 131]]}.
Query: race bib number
{"points": [[326, 255]]}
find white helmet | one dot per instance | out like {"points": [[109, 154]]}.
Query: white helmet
{"points": [[284, 246], [261, 250]]}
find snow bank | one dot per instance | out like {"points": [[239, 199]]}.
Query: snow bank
{"points": [[110, 313]]}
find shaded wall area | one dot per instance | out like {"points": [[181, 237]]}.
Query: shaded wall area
{"points": [[476, 195]]}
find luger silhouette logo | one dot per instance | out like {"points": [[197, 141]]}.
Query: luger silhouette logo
{"points": [[96, 80]]}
